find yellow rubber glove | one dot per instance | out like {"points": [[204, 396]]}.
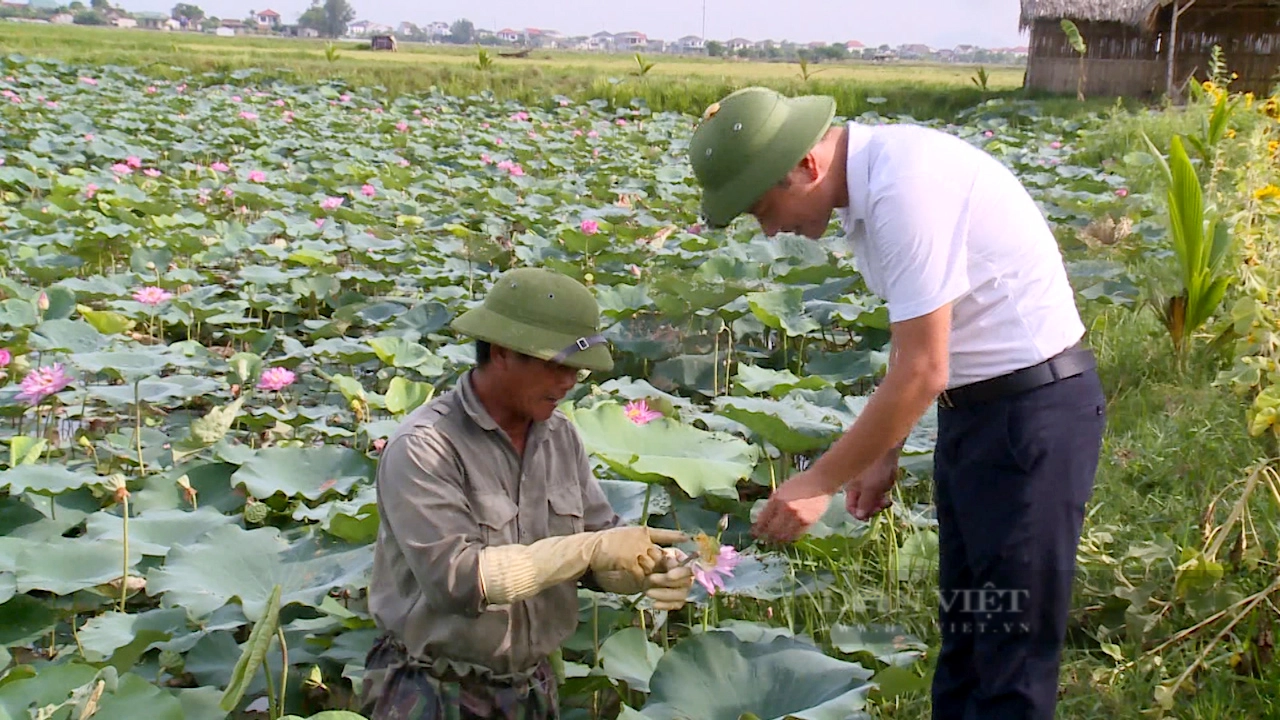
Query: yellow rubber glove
{"points": [[510, 573], [667, 585], [670, 582]]}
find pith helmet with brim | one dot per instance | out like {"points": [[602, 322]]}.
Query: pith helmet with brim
{"points": [[748, 141], [542, 314]]}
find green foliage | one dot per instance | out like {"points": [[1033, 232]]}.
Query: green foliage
{"points": [[1201, 242]]}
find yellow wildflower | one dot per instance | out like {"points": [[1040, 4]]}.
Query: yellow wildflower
{"points": [[1264, 193], [1207, 85], [1248, 100], [1273, 146], [1231, 132]]}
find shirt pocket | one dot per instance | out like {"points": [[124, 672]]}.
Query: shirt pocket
{"points": [[565, 517], [496, 514]]}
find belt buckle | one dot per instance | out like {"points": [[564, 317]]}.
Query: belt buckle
{"points": [[944, 399]]}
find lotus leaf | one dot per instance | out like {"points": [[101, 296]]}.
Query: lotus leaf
{"points": [[717, 676], [699, 461], [303, 472], [230, 562]]}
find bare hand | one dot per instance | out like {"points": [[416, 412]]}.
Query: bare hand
{"points": [[793, 508], [868, 494]]}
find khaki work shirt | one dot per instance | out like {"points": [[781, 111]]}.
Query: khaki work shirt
{"points": [[450, 483]]}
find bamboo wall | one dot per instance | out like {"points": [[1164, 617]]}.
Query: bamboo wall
{"points": [[1119, 60], [1248, 34]]}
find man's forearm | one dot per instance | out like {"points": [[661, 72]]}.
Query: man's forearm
{"points": [[882, 428]]}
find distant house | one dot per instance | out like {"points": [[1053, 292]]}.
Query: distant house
{"points": [[383, 42], [270, 18], [124, 22], [689, 44], [154, 21], [736, 44], [365, 28], [509, 35], [855, 47], [600, 41], [437, 29], [630, 40]]}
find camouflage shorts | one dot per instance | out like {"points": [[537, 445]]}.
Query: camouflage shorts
{"points": [[408, 692]]}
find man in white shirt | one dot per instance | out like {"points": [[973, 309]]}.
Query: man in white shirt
{"points": [[984, 322]]}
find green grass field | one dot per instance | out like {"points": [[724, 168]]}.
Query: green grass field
{"points": [[675, 83], [1178, 451]]}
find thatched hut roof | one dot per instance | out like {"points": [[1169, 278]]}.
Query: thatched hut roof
{"points": [[1137, 13]]}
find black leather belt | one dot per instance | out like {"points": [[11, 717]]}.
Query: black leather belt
{"points": [[1073, 361]]}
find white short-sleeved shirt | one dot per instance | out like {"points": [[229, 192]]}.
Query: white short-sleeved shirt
{"points": [[932, 219]]}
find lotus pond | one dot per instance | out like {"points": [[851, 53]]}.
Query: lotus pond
{"points": [[218, 299]]}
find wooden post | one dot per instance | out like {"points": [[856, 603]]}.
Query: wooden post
{"points": [[1172, 43]]}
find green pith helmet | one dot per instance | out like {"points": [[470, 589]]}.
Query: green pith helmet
{"points": [[543, 314], [748, 142]]}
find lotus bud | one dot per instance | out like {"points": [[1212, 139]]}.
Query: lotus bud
{"points": [[724, 522], [151, 265], [43, 301], [84, 442]]}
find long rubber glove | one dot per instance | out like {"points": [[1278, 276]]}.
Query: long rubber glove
{"points": [[510, 573], [667, 586]]}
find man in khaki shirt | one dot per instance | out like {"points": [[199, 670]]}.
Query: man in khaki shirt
{"points": [[490, 517]]}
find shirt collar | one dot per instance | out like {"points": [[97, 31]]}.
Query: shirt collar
{"points": [[475, 409], [858, 170], [472, 405]]}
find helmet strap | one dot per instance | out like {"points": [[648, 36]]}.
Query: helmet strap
{"points": [[580, 344]]}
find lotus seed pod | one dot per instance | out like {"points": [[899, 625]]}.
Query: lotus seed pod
{"points": [[170, 659], [255, 512]]}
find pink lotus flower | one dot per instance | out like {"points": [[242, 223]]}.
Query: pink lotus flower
{"points": [[344, 97], [1122, 192], [639, 413], [330, 203], [88, 137], [246, 115], [88, 81], [402, 126], [133, 161], [90, 190], [121, 169], [219, 167], [6, 357], [1055, 144], [151, 172], [279, 103], [151, 295], [43, 382], [368, 190], [257, 176], [711, 575], [590, 227], [151, 89], [276, 379]]}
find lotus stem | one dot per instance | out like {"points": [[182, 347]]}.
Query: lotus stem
{"points": [[644, 512], [137, 430], [284, 671], [124, 577]]}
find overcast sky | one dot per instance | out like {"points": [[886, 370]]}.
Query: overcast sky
{"points": [[939, 23]]}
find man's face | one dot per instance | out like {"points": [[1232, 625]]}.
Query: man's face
{"points": [[534, 387], [796, 206]]}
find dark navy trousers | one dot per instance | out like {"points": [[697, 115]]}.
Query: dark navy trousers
{"points": [[1012, 477]]}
